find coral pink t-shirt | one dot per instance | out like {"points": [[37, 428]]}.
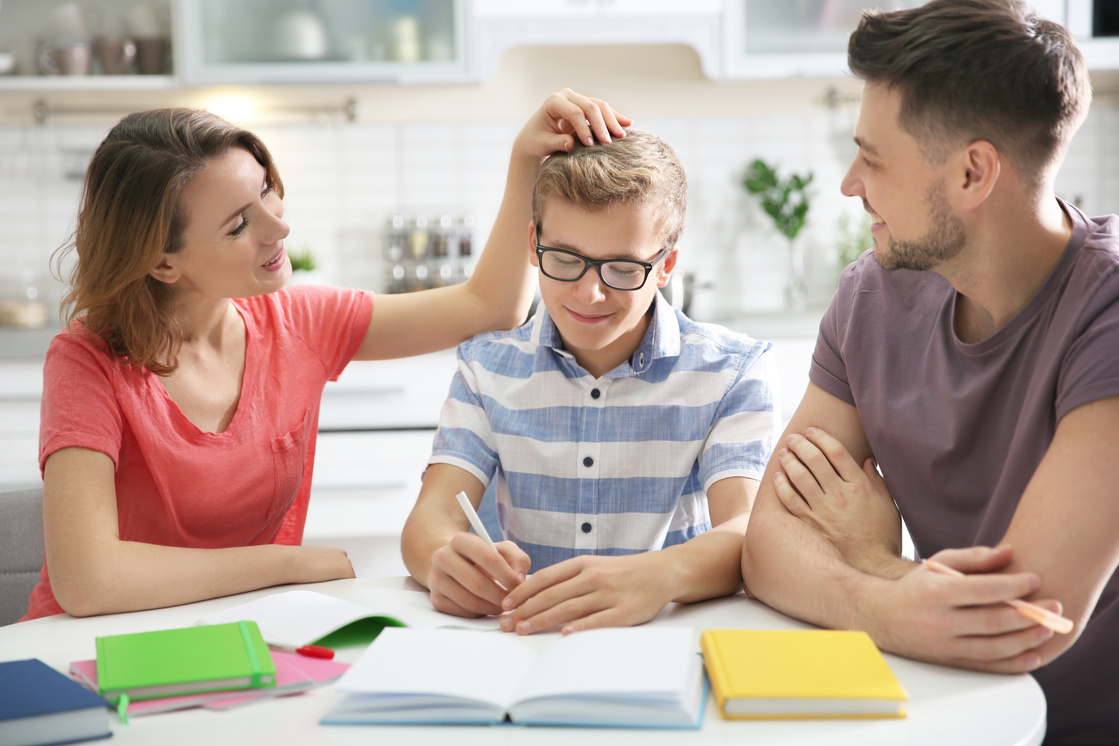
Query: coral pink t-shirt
{"points": [[179, 486]]}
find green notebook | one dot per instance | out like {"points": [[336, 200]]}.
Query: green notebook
{"points": [[170, 662]]}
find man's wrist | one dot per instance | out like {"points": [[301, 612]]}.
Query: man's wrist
{"points": [[878, 561]]}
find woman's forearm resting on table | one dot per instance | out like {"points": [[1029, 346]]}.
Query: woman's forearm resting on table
{"points": [[129, 576]]}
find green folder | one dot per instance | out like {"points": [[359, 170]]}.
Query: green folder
{"points": [[190, 660]]}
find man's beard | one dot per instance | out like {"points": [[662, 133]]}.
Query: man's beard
{"points": [[944, 241]]}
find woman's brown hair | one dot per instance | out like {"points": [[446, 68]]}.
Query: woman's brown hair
{"points": [[131, 214]]}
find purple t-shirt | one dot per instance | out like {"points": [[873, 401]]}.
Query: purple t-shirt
{"points": [[959, 429]]}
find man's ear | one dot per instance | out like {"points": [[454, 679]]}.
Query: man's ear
{"points": [[532, 239], [979, 171], [166, 271], [664, 272]]}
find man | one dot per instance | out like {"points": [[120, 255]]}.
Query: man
{"points": [[973, 356], [626, 439]]}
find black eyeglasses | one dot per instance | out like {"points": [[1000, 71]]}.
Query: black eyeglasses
{"points": [[620, 274]]}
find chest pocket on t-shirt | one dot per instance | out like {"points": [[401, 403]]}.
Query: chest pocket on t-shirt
{"points": [[289, 456]]}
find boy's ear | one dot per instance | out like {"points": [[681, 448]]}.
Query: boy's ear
{"points": [[664, 272], [165, 271], [532, 258]]}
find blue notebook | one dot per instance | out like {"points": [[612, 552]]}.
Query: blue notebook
{"points": [[39, 705]]}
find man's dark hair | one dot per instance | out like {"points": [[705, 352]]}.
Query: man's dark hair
{"points": [[972, 70]]}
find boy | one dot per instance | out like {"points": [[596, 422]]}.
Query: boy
{"points": [[614, 424]]}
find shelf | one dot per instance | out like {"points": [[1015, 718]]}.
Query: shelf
{"points": [[50, 83]]}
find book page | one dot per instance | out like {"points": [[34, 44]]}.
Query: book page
{"points": [[441, 663], [295, 618], [628, 663], [415, 610]]}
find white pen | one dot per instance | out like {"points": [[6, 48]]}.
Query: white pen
{"points": [[472, 516]]}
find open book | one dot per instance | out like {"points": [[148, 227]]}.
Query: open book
{"points": [[638, 677], [293, 619]]}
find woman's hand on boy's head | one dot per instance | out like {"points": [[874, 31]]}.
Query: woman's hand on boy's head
{"points": [[588, 592], [567, 115], [468, 578]]}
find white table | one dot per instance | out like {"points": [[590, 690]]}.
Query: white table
{"points": [[947, 707]]}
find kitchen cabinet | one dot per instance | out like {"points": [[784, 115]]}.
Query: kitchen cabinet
{"points": [[771, 40], [308, 41], [21, 387], [766, 39], [376, 427], [90, 34], [502, 24]]}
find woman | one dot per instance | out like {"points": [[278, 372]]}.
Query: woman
{"points": [[181, 405]]}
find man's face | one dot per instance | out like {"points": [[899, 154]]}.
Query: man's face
{"points": [[600, 325], [914, 226]]}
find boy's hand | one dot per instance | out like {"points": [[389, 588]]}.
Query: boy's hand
{"points": [[563, 117], [588, 592], [470, 579]]}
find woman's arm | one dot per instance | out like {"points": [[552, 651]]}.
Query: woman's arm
{"points": [[93, 572], [499, 292]]}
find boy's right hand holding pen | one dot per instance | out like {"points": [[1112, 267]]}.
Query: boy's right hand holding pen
{"points": [[471, 575]]}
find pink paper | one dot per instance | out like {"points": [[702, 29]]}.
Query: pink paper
{"points": [[294, 674]]}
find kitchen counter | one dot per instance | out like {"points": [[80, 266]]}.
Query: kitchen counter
{"points": [[25, 344]]}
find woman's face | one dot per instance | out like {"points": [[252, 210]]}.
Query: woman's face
{"points": [[233, 244]]}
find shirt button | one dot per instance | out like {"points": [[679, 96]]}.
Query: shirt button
{"points": [[595, 393], [586, 528], [588, 461]]}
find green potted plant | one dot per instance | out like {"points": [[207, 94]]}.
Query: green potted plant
{"points": [[303, 266], [786, 201]]}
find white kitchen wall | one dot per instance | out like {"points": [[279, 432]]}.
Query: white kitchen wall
{"points": [[406, 154]]}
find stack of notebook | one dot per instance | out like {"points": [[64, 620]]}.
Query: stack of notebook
{"points": [[218, 667]]}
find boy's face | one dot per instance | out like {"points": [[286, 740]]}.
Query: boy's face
{"points": [[600, 325]]}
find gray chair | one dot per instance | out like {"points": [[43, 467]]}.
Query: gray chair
{"points": [[21, 549]]}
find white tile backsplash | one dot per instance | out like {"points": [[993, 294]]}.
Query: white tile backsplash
{"points": [[343, 180]]}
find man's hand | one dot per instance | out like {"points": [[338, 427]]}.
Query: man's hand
{"points": [[468, 578], [963, 622], [588, 592], [821, 484], [565, 116]]}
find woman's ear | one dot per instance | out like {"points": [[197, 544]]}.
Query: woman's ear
{"points": [[664, 273], [165, 271]]}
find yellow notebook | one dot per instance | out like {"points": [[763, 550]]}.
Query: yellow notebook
{"points": [[800, 674]]}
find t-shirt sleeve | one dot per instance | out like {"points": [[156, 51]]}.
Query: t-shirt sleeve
{"points": [[332, 321], [465, 438], [1090, 370], [78, 407], [828, 369], [745, 425]]}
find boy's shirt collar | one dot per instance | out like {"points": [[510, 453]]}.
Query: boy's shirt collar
{"points": [[662, 339]]}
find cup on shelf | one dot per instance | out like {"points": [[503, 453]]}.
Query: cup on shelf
{"points": [[116, 54], [66, 57], [152, 55]]}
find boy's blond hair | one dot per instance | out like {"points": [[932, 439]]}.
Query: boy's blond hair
{"points": [[639, 169]]}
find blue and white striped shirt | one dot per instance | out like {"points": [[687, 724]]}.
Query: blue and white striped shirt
{"points": [[614, 465]]}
